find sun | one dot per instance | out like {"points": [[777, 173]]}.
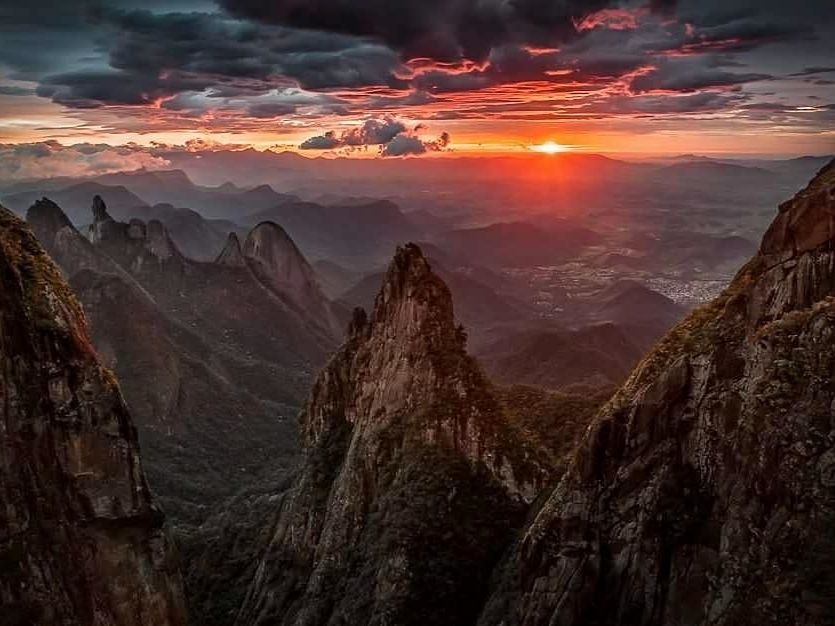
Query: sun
{"points": [[549, 147]]}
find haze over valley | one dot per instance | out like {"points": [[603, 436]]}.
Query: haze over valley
{"points": [[450, 313]]}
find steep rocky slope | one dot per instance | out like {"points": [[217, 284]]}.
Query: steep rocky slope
{"points": [[81, 539], [703, 493], [413, 480], [214, 363], [274, 258]]}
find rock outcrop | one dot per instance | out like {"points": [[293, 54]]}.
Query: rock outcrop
{"points": [[413, 480], [81, 539], [137, 246], [274, 258], [62, 241], [231, 255], [704, 492]]}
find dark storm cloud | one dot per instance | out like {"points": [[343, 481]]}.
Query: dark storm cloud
{"points": [[328, 141], [438, 29], [146, 56], [689, 75], [348, 57]]}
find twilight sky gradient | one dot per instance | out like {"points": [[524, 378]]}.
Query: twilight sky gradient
{"points": [[401, 77]]}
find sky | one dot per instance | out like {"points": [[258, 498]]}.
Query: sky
{"points": [[393, 78]]}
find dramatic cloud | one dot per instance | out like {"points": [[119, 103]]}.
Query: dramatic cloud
{"points": [[438, 29], [285, 66], [389, 134], [684, 75], [50, 159]]}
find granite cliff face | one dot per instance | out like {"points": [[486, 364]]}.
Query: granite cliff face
{"points": [[81, 539], [703, 493], [412, 483]]}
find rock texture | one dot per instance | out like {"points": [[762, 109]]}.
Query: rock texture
{"points": [[81, 539], [703, 493], [413, 479]]}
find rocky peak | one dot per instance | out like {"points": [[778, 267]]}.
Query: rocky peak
{"points": [[414, 300], [47, 216], [805, 222], [100, 213], [270, 248], [279, 265], [63, 242], [135, 245], [231, 255], [103, 223], [81, 539], [401, 431]]}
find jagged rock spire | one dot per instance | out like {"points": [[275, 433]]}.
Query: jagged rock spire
{"points": [[231, 255], [270, 247], [102, 220], [400, 428]]}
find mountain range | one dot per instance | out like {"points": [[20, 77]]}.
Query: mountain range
{"points": [[214, 358], [701, 492]]}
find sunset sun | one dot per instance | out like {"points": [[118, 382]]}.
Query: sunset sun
{"points": [[549, 147]]}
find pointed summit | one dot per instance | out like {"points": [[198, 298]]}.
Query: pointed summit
{"points": [[279, 265], [415, 305], [400, 430], [100, 213], [102, 221], [46, 216], [269, 247], [231, 255]]}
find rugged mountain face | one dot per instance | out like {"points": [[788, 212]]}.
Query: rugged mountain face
{"points": [[213, 362], [704, 491], [413, 479], [81, 539]]}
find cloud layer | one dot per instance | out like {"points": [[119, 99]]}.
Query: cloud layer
{"points": [[51, 159], [243, 66], [391, 136]]}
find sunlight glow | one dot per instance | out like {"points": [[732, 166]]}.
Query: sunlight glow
{"points": [[549, 147]]}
